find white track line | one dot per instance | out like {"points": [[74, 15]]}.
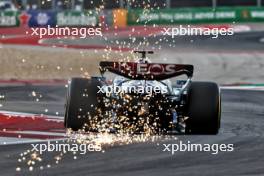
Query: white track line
{"points": [[39, 133], [255, 88], [11, 141], [23, 114]]}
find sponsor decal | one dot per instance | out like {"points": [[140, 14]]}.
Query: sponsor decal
{"points": [[42, 19], [194, 15], [76, 19], [245, 14], [146, 71], [24, 18], [257, 14], [163, 16], [8, 19], [143, 69]]}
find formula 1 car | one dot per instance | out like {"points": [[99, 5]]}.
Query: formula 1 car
{"points": [[142, 98]]}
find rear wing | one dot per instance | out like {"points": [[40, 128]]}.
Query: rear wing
{"points": [[146, 71]]}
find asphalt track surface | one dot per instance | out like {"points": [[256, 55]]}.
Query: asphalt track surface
{"points": [[242, 125], [242, 121]]}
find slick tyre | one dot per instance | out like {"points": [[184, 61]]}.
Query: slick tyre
{"points": [[81, 103], [204, 109]]}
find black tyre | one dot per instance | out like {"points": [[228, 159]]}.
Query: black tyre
{"points": [[81, 103], [204, 108]]}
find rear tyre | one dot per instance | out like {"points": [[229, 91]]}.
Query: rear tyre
{"points": [[204, 109], [81, 103]]}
